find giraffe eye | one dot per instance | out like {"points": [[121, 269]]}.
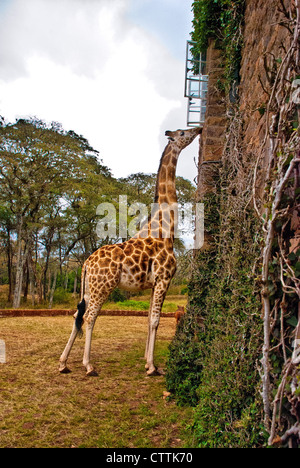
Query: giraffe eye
{"points": [[181, 133]]}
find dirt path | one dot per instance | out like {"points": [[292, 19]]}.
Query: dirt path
{"points": [[120, 408]]}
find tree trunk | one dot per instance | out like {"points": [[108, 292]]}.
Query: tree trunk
{"points": [[19, 267], [48, 251], [9, 266], [66, 281], [31, 280], [32, 291], [75, 284], [27, 279], [52, 289]]}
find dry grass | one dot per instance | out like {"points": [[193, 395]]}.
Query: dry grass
{"points": [[121, 408]]}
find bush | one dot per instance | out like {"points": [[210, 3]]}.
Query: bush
{"points": [[62, 296], [117, 295]]}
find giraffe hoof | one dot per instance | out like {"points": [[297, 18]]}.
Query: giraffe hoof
{"points": [[65, 370], [152, 371], [92, 373]]}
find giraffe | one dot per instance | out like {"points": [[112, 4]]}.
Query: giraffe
{"points": [[146, 261]]}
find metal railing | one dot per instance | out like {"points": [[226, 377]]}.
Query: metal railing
{"points": [[196, 84]]}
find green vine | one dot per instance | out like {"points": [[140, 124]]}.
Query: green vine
{"points": [[222, 21], [213, 356], [236, 355]]}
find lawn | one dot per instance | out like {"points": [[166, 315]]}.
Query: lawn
{"points": [[143, 303], [123, 407], [66, 300]]}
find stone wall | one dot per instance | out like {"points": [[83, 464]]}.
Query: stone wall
{"points": [[264, 42], [213, 135]]}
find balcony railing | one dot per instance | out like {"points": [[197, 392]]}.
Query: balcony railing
{"points": [[196, 83]]}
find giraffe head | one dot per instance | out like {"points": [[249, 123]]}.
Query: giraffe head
{"points": [[182, 138]]}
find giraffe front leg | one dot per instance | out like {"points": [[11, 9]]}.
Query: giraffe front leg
{"points": [[153, 326], [159, 294], [90, 371]]}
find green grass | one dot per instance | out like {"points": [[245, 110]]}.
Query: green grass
{"points": [[134, 304], [123, 407], [65, 300]]}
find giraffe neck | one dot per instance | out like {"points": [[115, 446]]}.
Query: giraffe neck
{"points": [[163, 219], [161, 223], [165, 191]]}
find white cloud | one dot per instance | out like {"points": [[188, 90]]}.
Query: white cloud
{"points": [[85, 64]]}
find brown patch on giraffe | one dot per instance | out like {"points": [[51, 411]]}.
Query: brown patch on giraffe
{"points": [[150, 251], [169, 246], [162, 189], [163, 199], [118, 254], [141, 277], [114, 266], [144, 262], [129, 249], [136, 258], [162, 257], [168, 150], [163, 174], [104, 262], [129, 262], [135, 269], [139, 244]]}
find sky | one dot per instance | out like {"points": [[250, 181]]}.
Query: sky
{"points": [[111, 70]]}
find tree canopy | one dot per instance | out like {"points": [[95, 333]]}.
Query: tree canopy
{"points": [[52, 181]]}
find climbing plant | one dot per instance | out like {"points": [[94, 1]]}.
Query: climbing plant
{"points": [[280, 272], [236, 355], [216, 367], [222, 21]]}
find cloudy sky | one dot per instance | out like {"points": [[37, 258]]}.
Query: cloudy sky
{"points": [[111, 70]]}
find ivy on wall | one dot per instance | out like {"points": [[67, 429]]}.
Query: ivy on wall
{"points": [[222, 21], [213, 356], [234, 356]]}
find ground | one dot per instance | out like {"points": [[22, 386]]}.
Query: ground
{"points": [[121, 408]]}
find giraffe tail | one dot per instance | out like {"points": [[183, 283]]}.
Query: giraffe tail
{"points": [[79, 316], [82, 305]]}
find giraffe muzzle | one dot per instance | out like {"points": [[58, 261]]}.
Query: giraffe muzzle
{"points": [[168, 133]]}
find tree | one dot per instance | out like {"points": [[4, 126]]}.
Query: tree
{"points": [[51, 182], [40, 165]]}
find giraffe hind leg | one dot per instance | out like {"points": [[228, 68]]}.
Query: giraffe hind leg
{"points": [[149, 328], [63, 369], [96, 301], [76, 330]]}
